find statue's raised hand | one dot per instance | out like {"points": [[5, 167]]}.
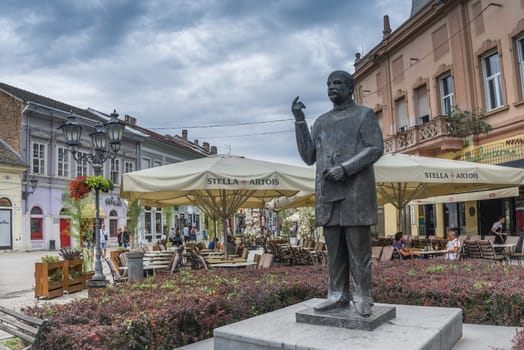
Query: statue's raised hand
{"points": [[296, 107]]}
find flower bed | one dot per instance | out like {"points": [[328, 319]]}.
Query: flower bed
{"points": [[166, 312]]}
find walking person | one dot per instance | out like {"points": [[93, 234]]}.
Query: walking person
{"points": [[498, 230], [186, 233], [104, 237]]}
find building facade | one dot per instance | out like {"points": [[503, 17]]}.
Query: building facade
{"points": [[449, 82], [30, 127]]}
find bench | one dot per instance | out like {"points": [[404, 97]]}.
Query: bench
{"points": [[20, 325]]}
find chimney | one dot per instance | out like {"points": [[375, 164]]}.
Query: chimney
{"points": [[213, 149], [184, 134], [387, 28], [206, 146], [195, 142], [131, 120]]}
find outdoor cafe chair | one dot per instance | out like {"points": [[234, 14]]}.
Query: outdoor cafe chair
{"points": [[488, 251], [117, 277], [265, 261], [387, 253], [518, 253], [245, 253], [376, 252], [471, 249], [123, 259]]}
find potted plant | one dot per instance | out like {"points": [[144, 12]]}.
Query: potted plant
{"points": [[74, 279]]}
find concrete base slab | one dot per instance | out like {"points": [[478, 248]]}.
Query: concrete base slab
{"points": [[415, 327], [347, 317]]}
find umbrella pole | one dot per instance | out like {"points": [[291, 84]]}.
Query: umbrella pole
{"points": [[224, 224]]}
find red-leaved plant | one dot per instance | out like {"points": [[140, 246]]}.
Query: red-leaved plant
{"points": [[78, 188]]}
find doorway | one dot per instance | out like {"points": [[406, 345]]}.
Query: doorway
{"points": [[65, 235], [6, 241]]}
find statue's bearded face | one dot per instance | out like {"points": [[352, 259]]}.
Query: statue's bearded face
{"points": [[339, 89]]}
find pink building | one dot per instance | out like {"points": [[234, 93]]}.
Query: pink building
{"points": [[449, 82]]}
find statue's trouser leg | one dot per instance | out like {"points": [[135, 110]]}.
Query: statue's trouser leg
{"points": [[338, 263], [359, 245]]}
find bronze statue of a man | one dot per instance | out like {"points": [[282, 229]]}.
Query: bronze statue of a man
{"points": [[344, 143]]}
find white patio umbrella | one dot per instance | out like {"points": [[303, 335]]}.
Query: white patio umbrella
{"points": [[401, 178], [220, 185]]}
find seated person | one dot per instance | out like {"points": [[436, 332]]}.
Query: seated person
{"points": [[453, 246], [231, 246], [406, 253], [212, 244]]}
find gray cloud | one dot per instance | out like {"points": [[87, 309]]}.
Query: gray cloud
{"points": [[186, 62]]}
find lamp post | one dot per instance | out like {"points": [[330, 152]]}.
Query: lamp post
{"points": [[106, 142]]}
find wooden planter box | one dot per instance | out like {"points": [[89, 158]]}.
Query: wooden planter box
{"points": [[45, 288], [75, 284]]}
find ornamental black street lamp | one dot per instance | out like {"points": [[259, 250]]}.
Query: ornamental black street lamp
{"points": [[107, 134]]}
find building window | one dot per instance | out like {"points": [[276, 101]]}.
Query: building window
{"points": [[520, 57], [129, 167], [492, 81], [158, 222], [81, 164], [401, 114], [380, 119], [38, 161], [146, 163], [157, 163], [446, 94], [421, 105], [62, 162], [115, 171]]}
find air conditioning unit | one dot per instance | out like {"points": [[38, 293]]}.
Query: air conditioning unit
{"points": [[424, 119], [403, 128]]}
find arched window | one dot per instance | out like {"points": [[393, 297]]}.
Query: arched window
{"points": [[4, 202], [36, 211], [37, 224]]}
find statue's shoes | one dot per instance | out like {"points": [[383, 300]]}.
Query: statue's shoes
{"points": [[332, 305], [362, 308]]}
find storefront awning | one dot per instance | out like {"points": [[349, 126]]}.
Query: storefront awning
{"points": [[470, 196]]}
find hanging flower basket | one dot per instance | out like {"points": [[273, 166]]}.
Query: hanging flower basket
{"points": [[80, 187]]}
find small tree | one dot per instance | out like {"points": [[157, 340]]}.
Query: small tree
{"points": [[80, 227], [134, 211]]}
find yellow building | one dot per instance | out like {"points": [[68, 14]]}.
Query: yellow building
{"points": [[11, 229], [449, 82]]}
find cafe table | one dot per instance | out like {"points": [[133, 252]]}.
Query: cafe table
{"points": [[504, 248], [223, 260], [431, 253], [234, 265]]}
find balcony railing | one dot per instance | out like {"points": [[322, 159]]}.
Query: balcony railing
{"points": [[437, 133]]}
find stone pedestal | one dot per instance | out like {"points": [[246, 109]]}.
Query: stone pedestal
{"points": [[135, 266], [347, 317], [414, 327]]}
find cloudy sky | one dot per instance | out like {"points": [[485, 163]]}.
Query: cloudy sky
{"points": [[227, 70]]}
